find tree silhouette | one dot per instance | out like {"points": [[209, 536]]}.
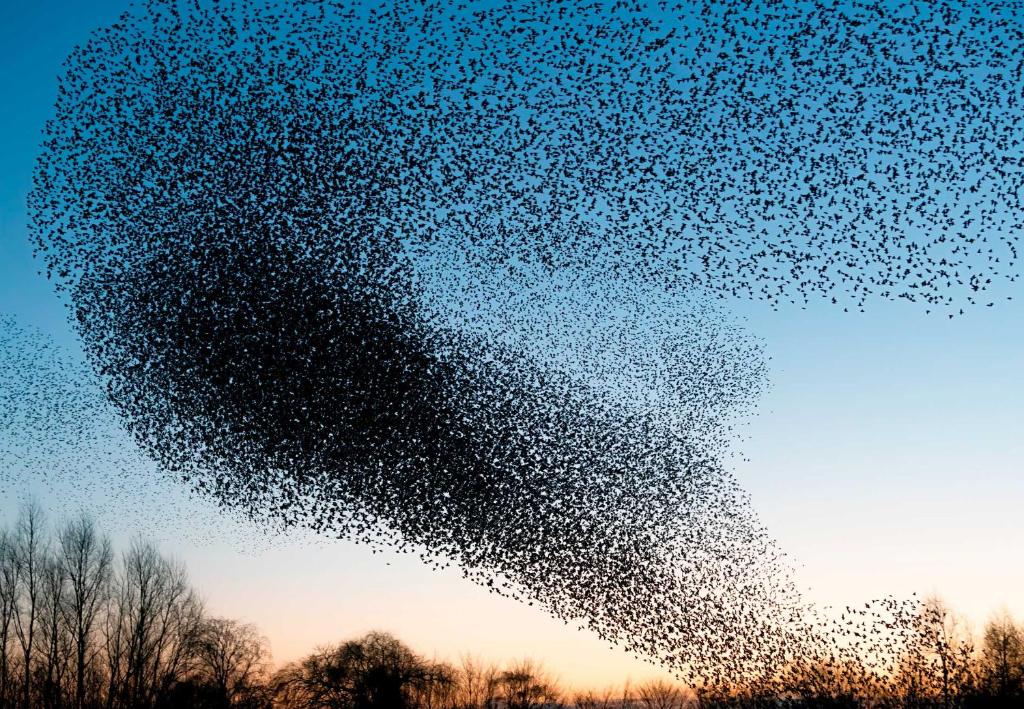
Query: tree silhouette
{"points": [[231, 661], [1003, 659], [87, 561], [526, 686], [373, 672], [659, 694]]}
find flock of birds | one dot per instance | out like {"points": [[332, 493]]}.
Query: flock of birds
{"points": [[62, 442], [446, 276]]}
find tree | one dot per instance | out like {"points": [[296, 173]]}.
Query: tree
{"points": [[54, 640], [938, 667], [607, 698], [477, 683], [376, 671], [439, 690], [79, 630], [9, 584], [87, 562], [658, 694], [231, 660], [153, 629], [1003, 658], [29, 559], [526, 686]]}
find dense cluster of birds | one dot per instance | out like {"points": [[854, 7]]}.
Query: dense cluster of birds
{"points": [[443, 275]]}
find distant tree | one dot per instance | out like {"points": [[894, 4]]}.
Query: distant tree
{"points": [[376, 671], [837, 683], [476, 685], [525, 685], [231, 661], [938, 668], [594, 699], [1003, 658], [659, 694], [441, 689]]}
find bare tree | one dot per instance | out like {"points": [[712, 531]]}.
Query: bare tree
{"points": [[86, 558], [439, 689], [54, 639], [525, 685], [607, 698], [658, 694], [115, 634], [9, 584], [154, 627], [938, 666], [29, 556], [1003, 657], [477, 684], [231, 658]]}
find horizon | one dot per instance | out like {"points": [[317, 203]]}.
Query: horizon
{"points": [[536, 655]]}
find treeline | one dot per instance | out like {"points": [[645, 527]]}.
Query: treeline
{"points": [[82, 627], [938, 664]]}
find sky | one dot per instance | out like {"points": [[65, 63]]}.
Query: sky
{"points": [[885, 457]]}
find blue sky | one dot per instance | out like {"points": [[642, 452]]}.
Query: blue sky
{"points": [[886, 455]]}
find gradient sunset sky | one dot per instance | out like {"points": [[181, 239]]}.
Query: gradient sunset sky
{"points": [[885, 457]]}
